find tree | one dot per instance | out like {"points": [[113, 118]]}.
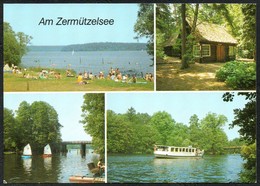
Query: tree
{"points": [[246, 119], [216, 138], [249, 174], [248, 36], [131, 113], [93, 113], [11, 46], [45, 125], [163, 123], [119, 134], [165, 22], [14, 45], [9, 130], [195, 131], [184, 63], [132, 134], [144, 26], [24, 124], [178, 135]]}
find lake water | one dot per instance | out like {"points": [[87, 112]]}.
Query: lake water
{"points": [[147, 169], [128, 62], [55, 169]]}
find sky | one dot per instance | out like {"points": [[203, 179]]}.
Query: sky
{"points": [[67, 105], [26, 18], [180, 105]]}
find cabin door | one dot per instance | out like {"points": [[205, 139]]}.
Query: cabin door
{"points": [[220, 53]]}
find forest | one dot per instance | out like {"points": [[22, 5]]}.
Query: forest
{"points": [[35, 123], [106, 46], [137, 133]]}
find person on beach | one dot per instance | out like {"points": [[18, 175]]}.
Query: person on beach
{"points": [[80, 79], [69, 74], [134, 79]]}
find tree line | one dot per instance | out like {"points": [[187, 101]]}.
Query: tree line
{"points": [[106, 46], [134, 132]]}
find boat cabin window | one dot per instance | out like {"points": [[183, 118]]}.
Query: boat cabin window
{"points": [[183, 150], [189, 150], [192, 150], [162, 148]]}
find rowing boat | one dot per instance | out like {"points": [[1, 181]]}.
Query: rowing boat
{"points": [[83, 179]]}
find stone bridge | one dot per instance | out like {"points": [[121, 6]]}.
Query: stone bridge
{"points": [[81, 143]]}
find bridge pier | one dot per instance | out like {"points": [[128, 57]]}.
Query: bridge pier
{"points": [[83, 149], [64, 148]]}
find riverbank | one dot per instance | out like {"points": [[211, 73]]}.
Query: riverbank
{"points": [[6, 153], [58, 81]]}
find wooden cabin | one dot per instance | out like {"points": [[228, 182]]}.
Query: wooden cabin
{"points": [[215, 44]]}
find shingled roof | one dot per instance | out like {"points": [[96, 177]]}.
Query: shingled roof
{"points": [[213, 33]]}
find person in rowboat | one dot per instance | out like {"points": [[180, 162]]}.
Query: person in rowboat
{"points": [[101, 166]]}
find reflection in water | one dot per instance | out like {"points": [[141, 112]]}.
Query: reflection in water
{"points": [[55, 169], [27, 165], [47, 163]]}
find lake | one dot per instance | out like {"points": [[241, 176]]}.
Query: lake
{"points": [[128, 62], [55, 169], [147, 169]]}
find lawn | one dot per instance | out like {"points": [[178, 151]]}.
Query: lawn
{"points": [[17, 83], [198, 76]]}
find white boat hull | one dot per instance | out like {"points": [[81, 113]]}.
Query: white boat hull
{"points": [[177, 152], [175, 156]]}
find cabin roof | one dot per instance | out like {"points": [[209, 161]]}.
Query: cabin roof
{"points": [[209, 32]]}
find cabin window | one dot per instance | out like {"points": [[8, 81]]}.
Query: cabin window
{"points": [[231, 50], [189, 150], [205, 50], [192, 150]]}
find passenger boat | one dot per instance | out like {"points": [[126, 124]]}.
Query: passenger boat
{"points": [[27, 151], [83, 179], [47, 151], [162, 151]]}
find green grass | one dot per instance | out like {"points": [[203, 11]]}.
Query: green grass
{"points": [[17, 83]]}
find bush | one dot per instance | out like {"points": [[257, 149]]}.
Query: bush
{"points": [[238, 75]]}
